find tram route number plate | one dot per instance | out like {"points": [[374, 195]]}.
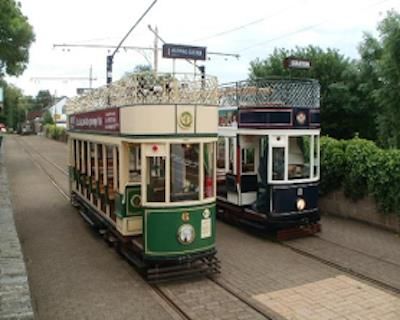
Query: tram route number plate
{"points": [[205, 228]]}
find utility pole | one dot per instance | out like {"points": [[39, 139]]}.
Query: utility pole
{"points": [[110, 58], [156, 51]]}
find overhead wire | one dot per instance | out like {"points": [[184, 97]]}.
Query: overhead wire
{"points": [[306, 28], [248, 24]]}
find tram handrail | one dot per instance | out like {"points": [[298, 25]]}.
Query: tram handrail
{"points": [[271, 92], [149, 88]]}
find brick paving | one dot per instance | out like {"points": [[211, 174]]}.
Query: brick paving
{"points": [[15, 299], [334, 298]]}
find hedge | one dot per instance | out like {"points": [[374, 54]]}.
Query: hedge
{"points": [[54, 132], [360, 168]]}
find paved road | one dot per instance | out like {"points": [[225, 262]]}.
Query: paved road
{"points": [[276, 279]]}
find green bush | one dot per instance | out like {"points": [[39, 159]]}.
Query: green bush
{"points": [[360, 168], [53, 132], [332, 164]]}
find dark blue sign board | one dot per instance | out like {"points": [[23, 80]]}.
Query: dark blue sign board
{"points": [[177, 51]]}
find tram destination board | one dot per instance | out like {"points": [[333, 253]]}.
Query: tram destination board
{"points": [[107, 121], [177, 51]]}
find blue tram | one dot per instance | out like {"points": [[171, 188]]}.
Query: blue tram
{"points": [[268, 153]]}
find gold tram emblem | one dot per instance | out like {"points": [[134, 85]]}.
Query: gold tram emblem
{"points": [[185, 120], [185, 216]]}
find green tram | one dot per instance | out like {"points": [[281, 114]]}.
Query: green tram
{"points": [[268, 158], [142, 160]]}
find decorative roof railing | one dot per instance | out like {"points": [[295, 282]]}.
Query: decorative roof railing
{"points": [[149, 88], [271, 92]]}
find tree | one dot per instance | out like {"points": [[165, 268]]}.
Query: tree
{"points": [[16, 36], [388, 93], [43, 99], [337, 75]]}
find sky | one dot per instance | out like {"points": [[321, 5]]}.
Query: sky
{"points": [[251, 29]]}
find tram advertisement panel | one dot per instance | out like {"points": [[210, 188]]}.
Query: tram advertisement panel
{"points": [[107, 120]]}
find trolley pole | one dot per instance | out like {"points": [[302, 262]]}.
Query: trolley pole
{"points": [[110, 58]]}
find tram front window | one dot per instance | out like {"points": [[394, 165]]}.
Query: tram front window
{"points": [[156, 179], [299, 157], [278, 163], [185, 172]]}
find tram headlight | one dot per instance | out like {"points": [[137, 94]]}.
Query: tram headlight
{"points": [[300, 204], [186, 234]]}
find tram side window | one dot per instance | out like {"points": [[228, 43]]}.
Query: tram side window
{"points": [[278, 163], [299, 157], [100, 167], [185, 172], [209, 170], [134, 163], [232, 150], [92, 160], [221, 153], [155, 179], [248, 159], [110, 167]]}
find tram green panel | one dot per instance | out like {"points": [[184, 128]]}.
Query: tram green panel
{"points": [[120, 208], [161, 230], [133, 195]]}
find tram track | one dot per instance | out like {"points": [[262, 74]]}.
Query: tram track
{"points": [[157, 289], [227, 288], [343, 269]]}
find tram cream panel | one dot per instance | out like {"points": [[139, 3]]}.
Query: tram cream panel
{"points": [[185, 119], [207, 119], [148, 119], [130, 226]]}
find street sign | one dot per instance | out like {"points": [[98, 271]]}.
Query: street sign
{"points": [[177, 51], [296, 63]]}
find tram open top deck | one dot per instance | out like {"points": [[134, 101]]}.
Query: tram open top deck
{"points": [[148, 104], [270, 103]]}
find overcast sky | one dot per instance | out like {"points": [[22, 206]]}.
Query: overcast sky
{"points": [[252, 28]]}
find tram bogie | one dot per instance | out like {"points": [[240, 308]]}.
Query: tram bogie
{"points": [[268, 153], [144, 173]]}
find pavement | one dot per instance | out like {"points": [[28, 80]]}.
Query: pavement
{"points": [[279, 281], [15, 299]]}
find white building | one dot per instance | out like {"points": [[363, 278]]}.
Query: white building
{"points": [[58, 113]]}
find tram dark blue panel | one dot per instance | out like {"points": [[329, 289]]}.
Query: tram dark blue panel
{"points": [[248, 183], [265, 118], [284, 197], [230, 182], [315, 117]]}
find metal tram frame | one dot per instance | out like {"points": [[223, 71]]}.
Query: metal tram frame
{"points": [[142, 156], [268, 155]]}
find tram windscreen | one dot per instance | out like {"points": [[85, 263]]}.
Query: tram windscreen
{"points": [[299, 157], [185, 172], [209, 170], [278, 163], [156, 179]]}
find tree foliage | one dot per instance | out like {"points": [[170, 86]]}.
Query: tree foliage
{"points": [[342, 114], [388, 93], [43, 100], [16, 36]]}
